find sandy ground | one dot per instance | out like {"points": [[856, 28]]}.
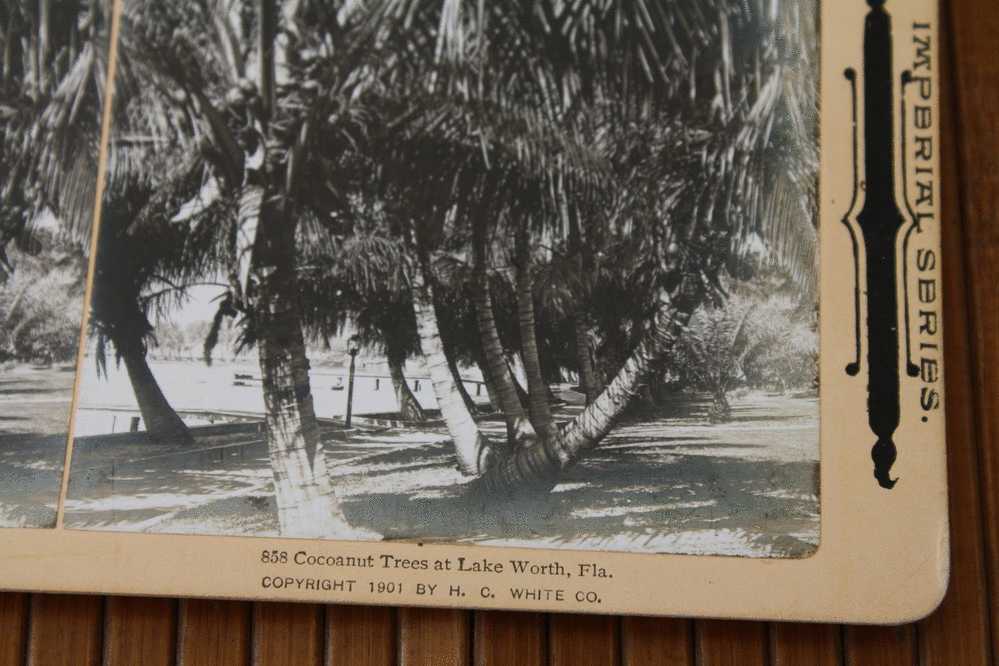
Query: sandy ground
{"points": [[667, 482], [34, 415]]}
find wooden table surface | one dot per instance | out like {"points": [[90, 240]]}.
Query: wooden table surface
{"points": [[51, 629]]}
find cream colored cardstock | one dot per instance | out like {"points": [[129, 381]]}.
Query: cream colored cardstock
{"points": [[883, 555]]}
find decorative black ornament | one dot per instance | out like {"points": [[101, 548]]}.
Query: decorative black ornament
{"points": [[880, 220]]}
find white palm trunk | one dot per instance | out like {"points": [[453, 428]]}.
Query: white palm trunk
{"points": [[472, 449], [306, 504]]}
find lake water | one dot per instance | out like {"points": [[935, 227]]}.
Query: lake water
{"points": [[107, 404]]}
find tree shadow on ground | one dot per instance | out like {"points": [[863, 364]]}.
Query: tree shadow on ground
{"points": [[635, 497], [667, 484], [31, 391], [30, 478]]}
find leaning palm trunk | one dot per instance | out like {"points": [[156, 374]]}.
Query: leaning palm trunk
{"points": [[518, 425], [519, 428], [537, 387], [515, 365], [587, 377], [487, 381], [459, 383], [163, 425], [472, 449], [409, 406], [307, 506], [541, 465]]}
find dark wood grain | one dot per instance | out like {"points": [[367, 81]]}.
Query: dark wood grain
{"points": [[723, 643], [65, 630], [288, 634], [13, 628], [214, 633], [433, 636], [880, 646], [651, 641], [361, 635], [813, 644], [140, 631], [583, 640], [959, 632], [975, 26], [510, 638]]}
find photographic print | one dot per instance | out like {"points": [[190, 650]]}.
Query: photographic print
{"points": [[513, 274], [614, 306], [54, 69]]}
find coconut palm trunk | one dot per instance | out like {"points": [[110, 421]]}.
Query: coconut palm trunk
{"points": [[588, 383], [587, 377], [395, 356], [163, 425], [306, 504], [459, 383], [44, 24], [537, 388], [452, 364], [542, 465], [409, 406], [473, 451], [519, 429], [487, 381], [515, 365]]}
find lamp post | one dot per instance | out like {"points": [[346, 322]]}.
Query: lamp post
{"points": [[352, 349]]}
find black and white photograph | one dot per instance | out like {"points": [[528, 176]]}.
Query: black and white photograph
{"points": [[53, 55], [538, 274]]}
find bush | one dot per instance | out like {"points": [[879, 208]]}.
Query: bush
{"points": [[41, 302], [750, 340]]}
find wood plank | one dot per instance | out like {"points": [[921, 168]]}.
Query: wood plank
{"points": [[510, 638], [813, 644], [214, 633], [434, 636], [880, 646], [286, 633], [583, 640], [974, 25], [13, 628], [958, 633], [65, 630], [140, 631], [361, 636], [649, 641], [727, 643]]}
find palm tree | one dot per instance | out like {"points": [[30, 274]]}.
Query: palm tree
{"points": [[664, 127], [521, 431], [49, 151], [474, 452], [700, 114], [130, 258], [355, 280], [53, 66], [190, 66]]}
